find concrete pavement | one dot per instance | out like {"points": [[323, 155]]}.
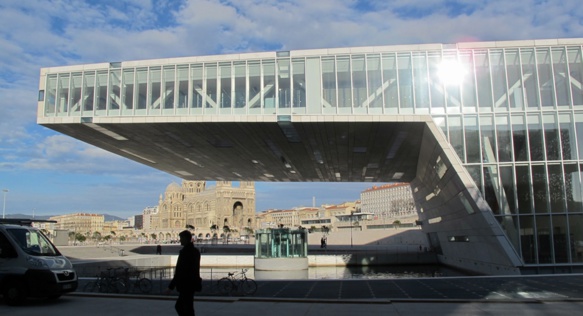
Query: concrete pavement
{"points": [[111, 305]]}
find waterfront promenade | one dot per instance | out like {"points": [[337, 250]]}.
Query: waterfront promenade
{"points": [[470, 295]]}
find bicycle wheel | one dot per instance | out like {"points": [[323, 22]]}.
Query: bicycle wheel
{"points": [[225, 286], [145, 285], [248, 286], [90, 287]]}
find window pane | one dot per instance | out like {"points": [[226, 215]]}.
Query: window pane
{"points": [[405, 81], [545, 79], [527, 239], [535, 138], [576, 74], [568, 137], [576, 236], [560, 240], [197, 86], [254, 84], [543, 227], [344, 84], [499, 80], [76, 85], [539, 189], [210, 74], [488, 139], [114, 90], [299, 84], [359, 82], [168, 96], [491, 186], [375, 83], [561, 76], [503, 139], [551, 134], [329, 81], [529, 78], [437, 88], [472, 139], [128, 89], [557, 189], [469, 84], [284, 83], [51, 97], [268, 84], [515, 88], [142, 82], [155, 91], [579, 128], [390, 79], [523, 189], [63, 94], [421, 83], [225, 97], [476, 175], [508, 201], [572, 188], [484, 81], [182, 78], [456, 136], [240, 85], [101, 86], [519, 138]]}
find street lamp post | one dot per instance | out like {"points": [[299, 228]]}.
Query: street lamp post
{"points": [[4, 191]]}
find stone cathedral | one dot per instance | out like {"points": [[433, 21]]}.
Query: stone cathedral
{"points": [[208, 209]]}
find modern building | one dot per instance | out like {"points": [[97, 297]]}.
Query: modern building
{"points": [[208, 209], [79, 222], [388, 201], [147, 215], [488, 134]]}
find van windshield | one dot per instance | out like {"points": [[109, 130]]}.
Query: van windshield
{"points": [[33, 242]]}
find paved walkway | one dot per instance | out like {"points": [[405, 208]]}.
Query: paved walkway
{"points": [[123, 306]]}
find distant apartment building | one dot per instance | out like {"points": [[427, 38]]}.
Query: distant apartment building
{"points": [[138, 222], [389, 201], [79, 222], [307, 217], [147, 217]]}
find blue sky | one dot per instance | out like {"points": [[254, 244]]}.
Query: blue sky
{"points": [[49, 173]]}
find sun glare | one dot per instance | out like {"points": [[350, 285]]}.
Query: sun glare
{"points": [[451, 72]]}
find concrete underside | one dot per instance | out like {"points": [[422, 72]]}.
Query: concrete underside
{"points": [[364, 148]]}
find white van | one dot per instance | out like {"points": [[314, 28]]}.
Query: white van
{"points": [[30, 265]]}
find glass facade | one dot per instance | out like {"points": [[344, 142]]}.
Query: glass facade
{"points": [[281, 243], [513, 115]]}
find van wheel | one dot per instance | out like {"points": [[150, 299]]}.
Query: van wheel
{"points": [[14, 294]]}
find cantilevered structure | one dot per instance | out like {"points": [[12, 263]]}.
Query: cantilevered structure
{"points": [[487, 133]]}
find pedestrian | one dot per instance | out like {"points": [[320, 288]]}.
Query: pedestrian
{"points": [[158, 250], [323, 242], [186, 276]]}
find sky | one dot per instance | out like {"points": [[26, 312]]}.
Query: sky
{"points": [[47, 173]]}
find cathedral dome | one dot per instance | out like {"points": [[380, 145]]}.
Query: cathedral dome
{"points": [[173, 187]]}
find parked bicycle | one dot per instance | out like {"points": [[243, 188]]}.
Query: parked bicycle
{"points": [[237, 283], [119, 280], [109, 281], [135, 282]]}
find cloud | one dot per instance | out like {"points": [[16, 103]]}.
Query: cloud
{"points": [[41, 33]]}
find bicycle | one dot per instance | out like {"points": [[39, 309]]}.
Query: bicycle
{"points": [[237, 283], [107, 282], [143, 284]]}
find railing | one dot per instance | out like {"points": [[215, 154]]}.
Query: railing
{"points": [[160, 278]]}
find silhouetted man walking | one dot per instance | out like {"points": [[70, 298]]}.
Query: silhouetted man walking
{"points": [[186, 276]]}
